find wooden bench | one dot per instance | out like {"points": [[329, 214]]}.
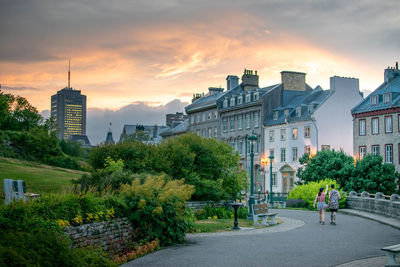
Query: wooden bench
{"points": [[391, 253], [260, 211]]}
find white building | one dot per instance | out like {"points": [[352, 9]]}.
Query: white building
{"points": [[308, 120]]}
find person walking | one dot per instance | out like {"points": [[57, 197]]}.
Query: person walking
{"points": [[321, 206], [333, 203]]}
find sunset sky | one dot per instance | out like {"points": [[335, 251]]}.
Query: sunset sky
{"points": [[130, 56]]}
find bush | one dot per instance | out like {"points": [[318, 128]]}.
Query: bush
{"points": [[157, 208], [307, 192], [210, 211], [295, 203]]}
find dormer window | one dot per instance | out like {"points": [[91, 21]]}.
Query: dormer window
{"points": [[225, 103], [247, 98], [240, 100], [232, 102], [310, 108], [256, 96], [275, 115], [298, 111], [286, 113], [374, 100], [386, 98]]}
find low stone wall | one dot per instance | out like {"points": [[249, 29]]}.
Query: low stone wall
{"points": [[375, 203], [110, 235]]}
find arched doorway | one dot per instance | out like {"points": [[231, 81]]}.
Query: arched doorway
{"points": [[287, 178]]}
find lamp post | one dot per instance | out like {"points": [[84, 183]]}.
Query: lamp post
{"points": [[271, 157], [251, 138]]}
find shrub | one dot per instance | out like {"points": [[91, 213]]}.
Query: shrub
{"points": [[307, 192], [210, 211], [157, 208]]}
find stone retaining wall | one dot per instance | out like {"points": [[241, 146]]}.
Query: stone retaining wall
{"points": [[110, 235], [378, 203]]}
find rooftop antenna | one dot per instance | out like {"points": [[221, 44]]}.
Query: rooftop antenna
{"points": [[69, 73]]}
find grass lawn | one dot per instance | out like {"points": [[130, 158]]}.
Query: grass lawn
{"points": [[38, 178], [222, 225]]}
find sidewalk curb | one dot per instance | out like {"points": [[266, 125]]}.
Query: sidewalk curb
{"points": [[371, 216]]}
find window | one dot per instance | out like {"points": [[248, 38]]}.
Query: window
{"points": [[240, 100], [209, 132], [232, 103], [225, 105], [255, 96], [247, 120], [247, 98], [204, 116], [192, 119], [294, 133], [325, 147], [386, 98], [225, 125], [361, 127], [274, 183], [388, 124], [198, 118], [298, 111], [198, 132], [233, 144], [375, 150], [389, 153], [215, 132], [283, 134], [294, 154], [310, 109], [362, 151], [286, 113], [307, 133], [240, 122], [283, 154], [275, 115], [255, 117], [240, 147], [374, 99], [232, 123], [272, 136], [203, 132], [209, 116], [375, 125], [307, 150], [215, 114]]}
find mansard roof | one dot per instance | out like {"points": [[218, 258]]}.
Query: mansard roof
{"points": [[207, 101], [292, 100], [392, 87]]}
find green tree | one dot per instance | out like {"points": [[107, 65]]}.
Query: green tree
{"points": [[326, 164], [372, 175], [138, 136]]}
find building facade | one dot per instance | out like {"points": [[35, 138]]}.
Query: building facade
{"points": [[376, 124], [203, 113], [178, 116], [68, 107], [153, 132], [306, 121]]}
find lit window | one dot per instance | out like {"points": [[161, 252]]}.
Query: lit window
{"points": [[362, 151], [294, 133], [307, 150], [307, 133]]}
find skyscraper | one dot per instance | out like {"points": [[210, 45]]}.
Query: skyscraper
{"points": [[68, 107]]}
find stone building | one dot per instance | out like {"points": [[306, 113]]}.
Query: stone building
{"points": [[178, 116], [304, 121], [153, 132], [203, 114], [376, 124]]}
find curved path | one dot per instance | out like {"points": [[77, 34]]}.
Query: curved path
{"points": [[299, 241]]}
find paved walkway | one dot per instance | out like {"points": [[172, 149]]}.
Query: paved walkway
{"points": [[299, 241]]}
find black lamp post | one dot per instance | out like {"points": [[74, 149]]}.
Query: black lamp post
{"points": [[251, 138], [271, 158]]}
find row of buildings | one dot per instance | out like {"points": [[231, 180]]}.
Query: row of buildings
{"points": [[291, 119]]}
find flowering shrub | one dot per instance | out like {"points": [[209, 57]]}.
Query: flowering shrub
{"points": [[138, 252]]}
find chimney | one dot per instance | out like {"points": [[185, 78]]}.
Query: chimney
{"points": [[249, 80], [232, 81], [292, 80], [391, 73], [215, 90]]}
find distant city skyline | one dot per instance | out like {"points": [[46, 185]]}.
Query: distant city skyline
{"points": [[150, 54]]}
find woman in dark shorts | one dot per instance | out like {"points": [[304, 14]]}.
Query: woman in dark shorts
{"points": [[333, 203]]}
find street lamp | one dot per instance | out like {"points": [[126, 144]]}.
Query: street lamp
{"points": [[271, 157], [251, 139]]}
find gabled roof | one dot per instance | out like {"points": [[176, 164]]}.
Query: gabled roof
{"points": [[294, 99], [393, 87]]}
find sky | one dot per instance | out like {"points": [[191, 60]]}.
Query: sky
{"points": [[136, 60]]}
